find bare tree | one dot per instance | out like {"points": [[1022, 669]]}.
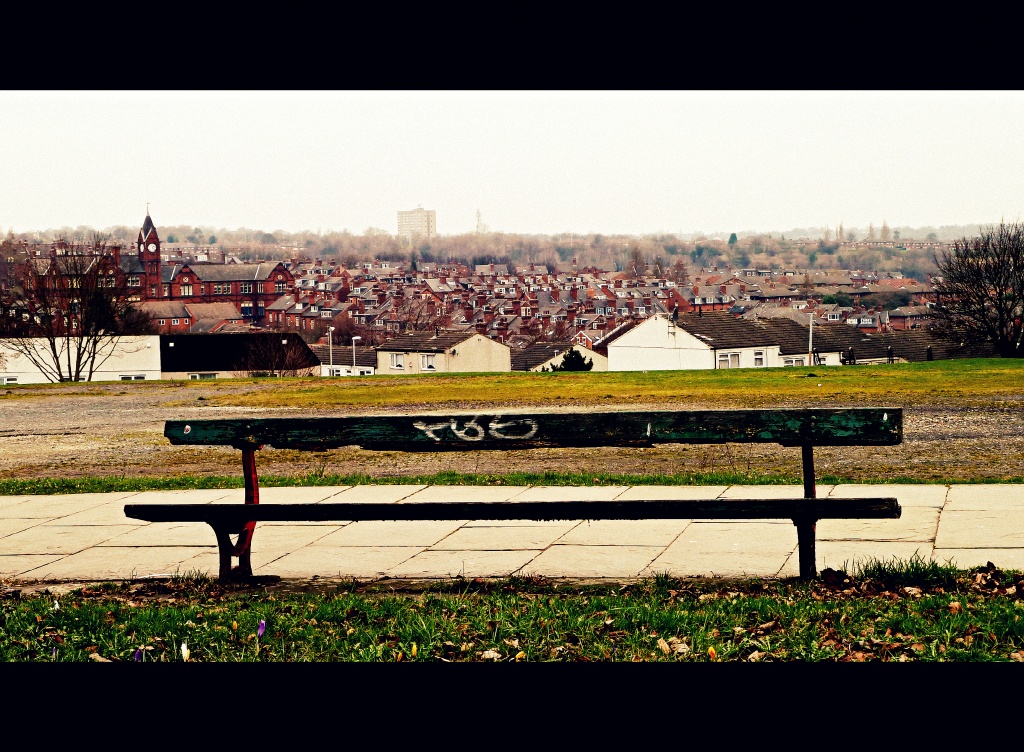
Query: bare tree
{"points": [[980, 291], [71, 309]]}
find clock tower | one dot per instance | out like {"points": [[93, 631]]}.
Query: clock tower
{"points": [[148, 246]]}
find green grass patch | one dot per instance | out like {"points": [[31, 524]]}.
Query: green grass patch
{"points": [[868, 615], [900, 384]]}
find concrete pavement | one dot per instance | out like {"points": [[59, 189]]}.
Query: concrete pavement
{"points": [[86, 537]]}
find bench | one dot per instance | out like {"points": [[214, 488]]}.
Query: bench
{"points": [[804, 428]]}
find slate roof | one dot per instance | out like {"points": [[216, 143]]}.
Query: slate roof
{"points": [[365, 356], [426, 342], [536, 354]]}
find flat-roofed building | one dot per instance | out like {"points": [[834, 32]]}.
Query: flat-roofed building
{"points": [[417, 223]]}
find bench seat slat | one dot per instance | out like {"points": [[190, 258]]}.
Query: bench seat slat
{"points": [[491, 430], [236, 514]]}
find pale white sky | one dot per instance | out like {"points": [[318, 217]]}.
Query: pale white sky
{"points": [[547, 162]]}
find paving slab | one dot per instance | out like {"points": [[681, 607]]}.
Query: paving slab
{"points": [[728, 549], [13, 525], [924, 495], [361, 562], [376, 494], [571, 493], [670, 493], [116, 563], [772, 492], [160, 534], [995, 496], [56, 506], [982, 528], [449, 564], [182, 496], [504, 537], [422, 533], [60, 539], [847, 555], [625, 533], [592, 561], [289, 494], [19, 565], [6, 501], [914, 524], [465, 494]]}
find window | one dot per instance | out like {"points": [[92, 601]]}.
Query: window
{"points": [[728, 360], [758, 358], [427, 363], [245, 287], [185, 322], [163, 322], [133, 377], [792, 361], [9, 379], [167, 290], [186, 289], [259, 287], [279, 287], [197, 376], [397, 361], [133, 280], [174, 322]]}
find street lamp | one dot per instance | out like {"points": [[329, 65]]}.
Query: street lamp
{"points": [[330, 350], [354, 354]]}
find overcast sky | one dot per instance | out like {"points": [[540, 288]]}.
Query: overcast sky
{"points": [[546, 162]]}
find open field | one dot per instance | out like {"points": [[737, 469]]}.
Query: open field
{"points": [[963, 422]]}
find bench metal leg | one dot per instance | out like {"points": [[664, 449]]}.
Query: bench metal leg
{"points": [[810, 489], [242, 546], [805, 529]]}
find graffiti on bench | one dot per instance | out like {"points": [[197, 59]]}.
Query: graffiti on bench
{"points": [[472, 430]]}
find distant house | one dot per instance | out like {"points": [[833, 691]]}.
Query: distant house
{"points": [[123, 359], [338, 360], [714, 340], [234, 355], [541, 356], [443, 352]]}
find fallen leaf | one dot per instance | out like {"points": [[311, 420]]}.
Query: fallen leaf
{"points": [[663, 646], [520, 655], [491, 655], [678, 646], [755, 656], [99, 658], [512, 643], [955, 607], [914, 591]]}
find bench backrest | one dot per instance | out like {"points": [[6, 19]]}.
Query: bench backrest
{"points": [[511, 430]]}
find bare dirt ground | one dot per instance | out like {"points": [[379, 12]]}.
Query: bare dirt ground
{"points": [[115, 430]]}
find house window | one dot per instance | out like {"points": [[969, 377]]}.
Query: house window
{"points": [[163, 322], [133, 377], [792, 361], [279, 287], [185, 322], [9, 379], [397, 361], [728, 360], [427, 363], [186, 289], [167, 290], [197, 376], [174, 322], [758, 358], [259, 287], [246, 287], [133, 280]]}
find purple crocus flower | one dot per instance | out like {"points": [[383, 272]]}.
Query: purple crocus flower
{"points": [[54, 656], [262, 628], [138, 655]]}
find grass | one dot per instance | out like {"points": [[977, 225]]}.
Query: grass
{"points": [[883, 611], [112, 484], [948, 382]]}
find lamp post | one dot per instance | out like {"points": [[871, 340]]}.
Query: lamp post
{"points": [[330, 351], [354, 354]]}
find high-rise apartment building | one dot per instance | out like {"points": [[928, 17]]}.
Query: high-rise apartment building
{"points": [[419, 222]]}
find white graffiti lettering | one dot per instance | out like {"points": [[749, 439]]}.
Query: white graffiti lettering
{"points": [[429, 429], [496, 428], [472, 426]]}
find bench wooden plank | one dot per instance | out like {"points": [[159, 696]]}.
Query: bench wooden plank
{"points": [[660, 509], [491, 430]]}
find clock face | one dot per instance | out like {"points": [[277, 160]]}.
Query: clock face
{"points": [[152, 246]]}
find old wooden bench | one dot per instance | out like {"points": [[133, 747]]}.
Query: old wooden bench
{"points": [[804, 428]]}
